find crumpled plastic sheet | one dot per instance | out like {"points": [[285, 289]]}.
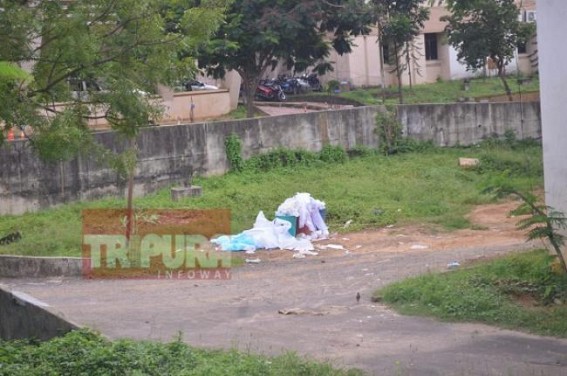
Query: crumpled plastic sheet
{"points": [[265, 234], [308, 210]]}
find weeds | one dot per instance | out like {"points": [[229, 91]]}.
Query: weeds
{"points": [[233, 148], [84, 352]]}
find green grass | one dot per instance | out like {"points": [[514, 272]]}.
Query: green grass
{"points": [[516, 292], [443, 91], [372, 191], [84, 352]]}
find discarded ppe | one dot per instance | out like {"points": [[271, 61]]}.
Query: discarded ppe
{"points": [[309, 213], [265, 234]]}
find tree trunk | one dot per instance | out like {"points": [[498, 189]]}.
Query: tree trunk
{"points": [[250, 93], [408, 63], [557, 248], [504, 81], [130, 194], [398, 73], [382, 72]]}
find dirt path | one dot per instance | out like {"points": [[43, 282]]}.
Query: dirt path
{"points": [[323, 319]]}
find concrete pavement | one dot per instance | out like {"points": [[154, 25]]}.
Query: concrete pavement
{"points": [[328, 324]]}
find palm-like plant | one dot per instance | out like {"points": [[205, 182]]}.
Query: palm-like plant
{"points": [[543, 221]]}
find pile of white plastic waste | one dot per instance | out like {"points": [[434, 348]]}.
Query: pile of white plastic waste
{"points": [[276, 234], [309, 213]]}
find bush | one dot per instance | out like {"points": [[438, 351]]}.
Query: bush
{"points": [[333, 154]]}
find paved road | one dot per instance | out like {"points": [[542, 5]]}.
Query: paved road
{"points": [[243, 313]]}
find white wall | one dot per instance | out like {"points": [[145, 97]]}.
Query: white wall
{"points": [[551, 31]]}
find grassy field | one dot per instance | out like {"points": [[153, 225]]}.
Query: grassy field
{"points": [[87, 353], [523, 292], [443, 91], [370, 190]]}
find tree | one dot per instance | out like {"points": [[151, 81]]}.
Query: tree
{"points": [[122, 45], [300, 33], [484, 29], [399, 22]]}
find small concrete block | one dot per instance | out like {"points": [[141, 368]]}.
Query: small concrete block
{"points": [[468, 162], [196, 191], [178, 193]]}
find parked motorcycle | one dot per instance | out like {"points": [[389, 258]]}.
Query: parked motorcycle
{"points": [[268, 90], [313, 81], [289, 85]]}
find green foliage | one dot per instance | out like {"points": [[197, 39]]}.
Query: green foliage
{"points": [[333, 86], [233, 149], [333, 154], [84, 352], [258, 33], [504, 160], [543, 222], [389, 130], [12, 72], [398, 23], [281, 158], [361, 151], [486, 28], [123, 46], [493, 292]]}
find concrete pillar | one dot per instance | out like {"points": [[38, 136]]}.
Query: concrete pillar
{"points": [[551, 31]]}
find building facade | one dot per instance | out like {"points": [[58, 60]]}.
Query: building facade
{"points": [[432, 57]]}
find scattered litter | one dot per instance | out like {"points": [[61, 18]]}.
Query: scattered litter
{"points": [[453, 265], [347, 223], [347, 252], [250, 251], [299, 311], [309, 253], [419, 246], [357, 247], [253, 261], [345, 239], [298, 255], [399, 210], [389, 226], [333, 246]]}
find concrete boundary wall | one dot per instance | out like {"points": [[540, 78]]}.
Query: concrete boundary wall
{"points": [[23, 316], [39, 267], [168, 153]]}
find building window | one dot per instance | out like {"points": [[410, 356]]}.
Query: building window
{"points": [[431, 46], [522, 48]]}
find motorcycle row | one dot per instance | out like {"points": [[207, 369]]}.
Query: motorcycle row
{"points": [[276, 89]]}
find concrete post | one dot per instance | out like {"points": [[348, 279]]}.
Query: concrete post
{"points": [[551, 31]]}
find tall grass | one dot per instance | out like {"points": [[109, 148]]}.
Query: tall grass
{"points": [[520, 292], [369, 190], [83, 352]]}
